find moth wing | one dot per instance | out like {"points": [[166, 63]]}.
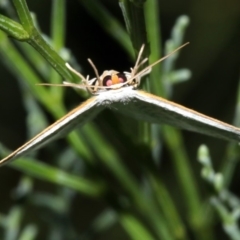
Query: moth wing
{"points": [[147, 107], [76, 117]]}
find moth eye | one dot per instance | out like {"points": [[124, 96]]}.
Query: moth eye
{"points": [[107, 81], [122, 77]]}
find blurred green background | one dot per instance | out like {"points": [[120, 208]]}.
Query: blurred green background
{"points": [[59, 212]]}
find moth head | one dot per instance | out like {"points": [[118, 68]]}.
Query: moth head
{"points": [[109, 80], [113, 79]]}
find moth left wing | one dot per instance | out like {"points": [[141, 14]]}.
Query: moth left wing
{"points": [[76, 117], [147, 107]]}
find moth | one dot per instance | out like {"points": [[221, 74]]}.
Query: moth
{"points": [[119, 92]]}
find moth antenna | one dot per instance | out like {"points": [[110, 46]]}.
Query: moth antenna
{"points": [[136, 66], [74, 71], [64, 84], [141, 63], [148, 68], [95, 70]]}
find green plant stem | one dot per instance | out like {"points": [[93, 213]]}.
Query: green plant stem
{"points": [[24, 15], [151, 11], [13, 29], [168, 207], [54, 175], [58, 39], [58, 24], [135, 22], [187, 181], [134, 228], [37, 41]]}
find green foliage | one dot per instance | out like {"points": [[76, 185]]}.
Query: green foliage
{"points": [[226, 204], [141, 203]]}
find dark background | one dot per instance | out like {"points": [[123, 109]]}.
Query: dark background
{"points": [[213, 57]]}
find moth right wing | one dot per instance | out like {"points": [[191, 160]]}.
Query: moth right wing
{"points": [[147, 107]]}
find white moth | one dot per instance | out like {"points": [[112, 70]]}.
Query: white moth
{"points": [[118, 91]]}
